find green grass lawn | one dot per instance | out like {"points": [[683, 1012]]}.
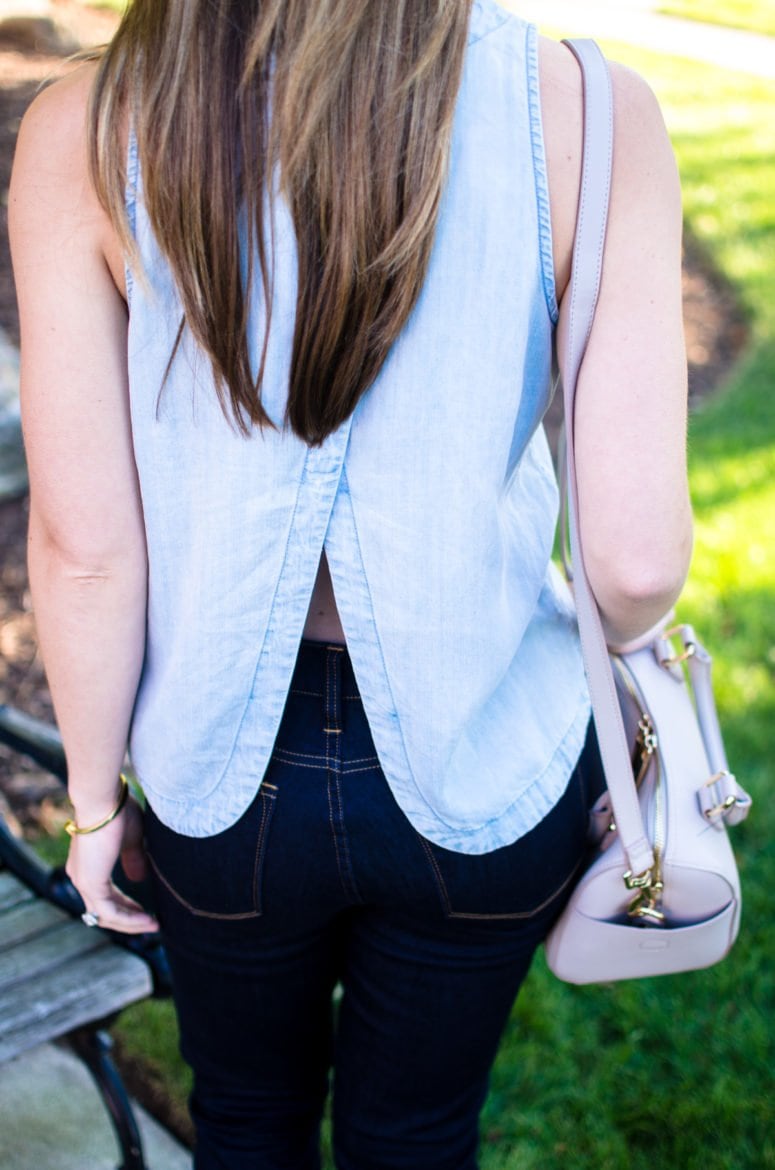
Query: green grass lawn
{"points": [[674, 1072], [754, 15], [114, 5]]}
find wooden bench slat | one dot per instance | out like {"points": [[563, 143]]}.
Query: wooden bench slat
{"points": [[79, 992], [28, 919], [48, 951]]}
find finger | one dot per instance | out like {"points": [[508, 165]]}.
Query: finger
{"points": [[119, 912]]}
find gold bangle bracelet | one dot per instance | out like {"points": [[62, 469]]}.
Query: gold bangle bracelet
{"points": [[74, 831]]}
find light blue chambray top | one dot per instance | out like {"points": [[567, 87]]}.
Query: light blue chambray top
{"points": [[436, 503]]}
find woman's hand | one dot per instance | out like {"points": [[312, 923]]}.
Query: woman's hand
{"points": [[90, 866]]}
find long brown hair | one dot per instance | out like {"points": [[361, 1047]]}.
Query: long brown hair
{"points": [[363, 95]]}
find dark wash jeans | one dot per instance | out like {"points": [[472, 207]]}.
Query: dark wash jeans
{"points": [[324, 881]]}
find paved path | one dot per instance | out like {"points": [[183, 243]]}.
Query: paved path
{"points": [[632, 21], [635, 22], [52, 1118]]}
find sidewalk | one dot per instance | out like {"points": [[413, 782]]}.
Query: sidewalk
{"points": [[52, 1118], [635, 22]]}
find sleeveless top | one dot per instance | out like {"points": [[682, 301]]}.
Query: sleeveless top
{"points": [[436, 503]]}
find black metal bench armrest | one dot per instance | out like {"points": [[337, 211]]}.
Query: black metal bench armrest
{"points": [[41, 742]]}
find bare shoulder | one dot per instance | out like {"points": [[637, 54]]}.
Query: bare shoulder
{"points": [[51, 188], [53, 130], [50, 182], [643, 158]]}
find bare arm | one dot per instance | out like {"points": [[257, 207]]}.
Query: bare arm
{"points": [[632, 393], [86, 543]]}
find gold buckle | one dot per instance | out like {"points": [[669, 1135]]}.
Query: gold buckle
{"points": [[690, 649], [649, 889], [719, 809], [640, 881]]}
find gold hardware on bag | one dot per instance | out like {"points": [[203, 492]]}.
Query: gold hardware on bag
{"points": [[645, 904], [688, 651], [645, 907], [640, 881], [645, 745], [719, 809]]}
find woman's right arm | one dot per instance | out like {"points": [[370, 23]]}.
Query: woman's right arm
{"points": [[87, 554], [635, 513]]}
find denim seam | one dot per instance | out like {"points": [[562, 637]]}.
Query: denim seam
{"points": [[298, 764], [193, 909], [437, 875], [540, 173], [304, 755], [266, 806], [130, 200], [526, 913], [333, 721], [512, 914], [325, 759], [346, 875], [326, 717]]}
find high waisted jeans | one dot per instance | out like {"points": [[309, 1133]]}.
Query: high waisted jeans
{"points": [[323, 881]]}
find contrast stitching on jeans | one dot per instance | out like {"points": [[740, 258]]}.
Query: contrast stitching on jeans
{"points": [[265, 809], [361, 760], [312, 694], [331, 822], [374, 767], [347, 877], [437, 873], [322, 767], [193, 909], [331, 714], [326, 707], [301, 755], [526, 913], [341, 843]]}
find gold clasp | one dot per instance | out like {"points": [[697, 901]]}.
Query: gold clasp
{"points": [[689, 650], [722, 806], [646, 744], [644, 906], [649, 887]]}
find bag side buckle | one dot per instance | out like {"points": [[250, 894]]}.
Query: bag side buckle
{"points": [[719, 799]]}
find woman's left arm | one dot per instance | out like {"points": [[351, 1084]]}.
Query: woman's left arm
{"points": [[87, 558]]}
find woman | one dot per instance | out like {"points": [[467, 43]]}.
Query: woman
{"points": [[291, 522]]}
